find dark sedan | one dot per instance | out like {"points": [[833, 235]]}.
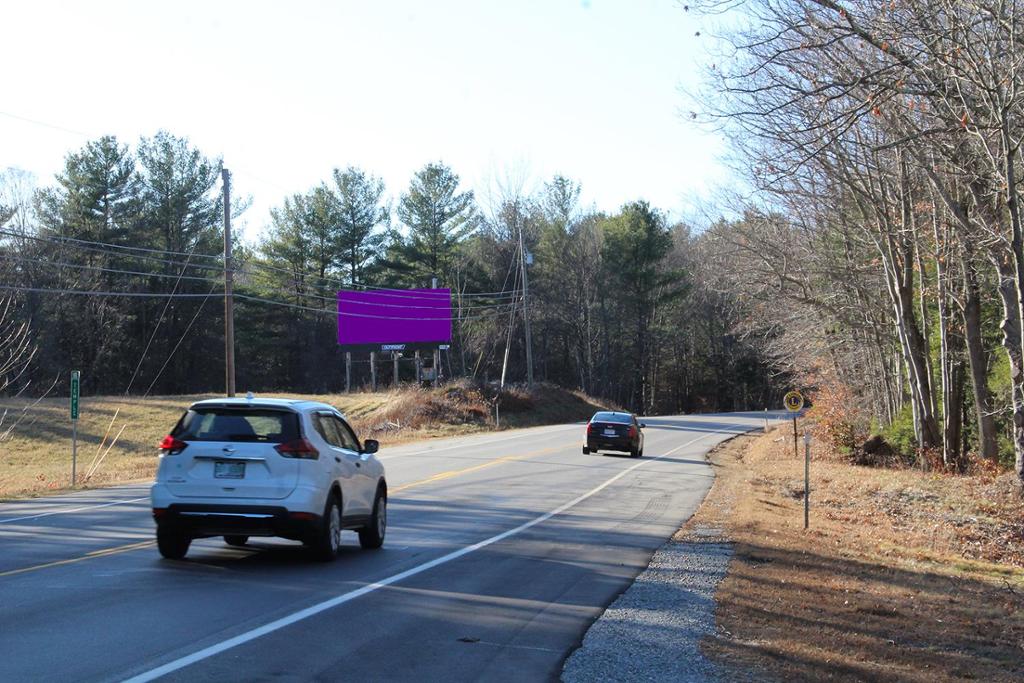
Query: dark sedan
{"points": [[614, 431]]}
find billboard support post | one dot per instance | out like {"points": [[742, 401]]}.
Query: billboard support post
{"points": [[348, 371], [437, 365], [373, 370], [394, 359], [419, 368]]}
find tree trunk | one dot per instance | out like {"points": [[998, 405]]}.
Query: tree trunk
{"points": [[977, 357], [1011, 328]]}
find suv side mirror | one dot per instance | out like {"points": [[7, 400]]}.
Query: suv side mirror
{"points": [[643, 425], [370, 446]]}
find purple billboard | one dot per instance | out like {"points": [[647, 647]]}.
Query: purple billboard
{"points": [[395, 318]]}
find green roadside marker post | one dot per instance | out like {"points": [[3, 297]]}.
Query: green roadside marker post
{"points": [[76, 383]]}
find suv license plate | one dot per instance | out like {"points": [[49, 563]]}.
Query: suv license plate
{"points": [[229, 470]]}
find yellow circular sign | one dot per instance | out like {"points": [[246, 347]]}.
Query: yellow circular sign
{"points": [[794, 401]]}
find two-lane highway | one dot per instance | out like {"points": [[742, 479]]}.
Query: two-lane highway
{"points": [[501, 550]]}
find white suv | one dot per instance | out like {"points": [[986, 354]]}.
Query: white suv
{"points": [[267, 467]]}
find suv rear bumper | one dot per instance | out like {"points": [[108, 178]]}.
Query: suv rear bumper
{"points": [[198, 520]]}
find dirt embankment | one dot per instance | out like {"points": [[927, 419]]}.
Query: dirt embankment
{"points": [[902, 576], [117, 436]]}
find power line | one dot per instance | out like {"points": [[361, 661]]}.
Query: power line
{"points": [[57, 241], [63, 238], [157, 327], [94, 292], [98, 247], [78, 266], [180, 340], [247, 297], [274, 302]]}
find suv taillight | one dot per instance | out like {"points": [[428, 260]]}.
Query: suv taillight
{"points": [[300, 448], [171, 446], [632, 432]]}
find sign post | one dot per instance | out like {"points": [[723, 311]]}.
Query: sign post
{"points": [[794, 402], [76, 383], [807, 478]]}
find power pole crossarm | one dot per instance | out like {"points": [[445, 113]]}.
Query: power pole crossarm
{"points": [[229, 299]]}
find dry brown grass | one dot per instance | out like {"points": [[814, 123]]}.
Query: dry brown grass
{"points": [[903, 576], [36, 457]]}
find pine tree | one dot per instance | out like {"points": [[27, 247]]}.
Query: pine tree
{"points": [[439, 218]]}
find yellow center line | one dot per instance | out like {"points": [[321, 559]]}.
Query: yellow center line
{"points": [[454, 473], [145, 544], [88, 556]]}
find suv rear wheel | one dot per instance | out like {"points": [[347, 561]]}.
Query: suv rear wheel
{"points": [[172, 544], [328, 538], [372, 535]]}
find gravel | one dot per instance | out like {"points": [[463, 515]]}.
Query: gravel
{"points": [[652, 632]]}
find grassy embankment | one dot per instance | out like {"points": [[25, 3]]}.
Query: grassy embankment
{"points": [[35, 457], [902, 576]]}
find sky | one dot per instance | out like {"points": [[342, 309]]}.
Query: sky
{"points": [[506, 93]]}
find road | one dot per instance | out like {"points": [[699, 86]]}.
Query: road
{"points": [[501, 550]]}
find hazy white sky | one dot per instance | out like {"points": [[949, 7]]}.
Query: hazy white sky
{"points": [[286, 91]]}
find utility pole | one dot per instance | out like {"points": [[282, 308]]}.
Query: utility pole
{"points": [[229, 298], [526, 312]]}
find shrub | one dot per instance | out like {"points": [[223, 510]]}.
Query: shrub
{"points": [[840, 423]]}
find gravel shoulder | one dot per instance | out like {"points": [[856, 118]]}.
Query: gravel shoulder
{"points": [[652, 632]]}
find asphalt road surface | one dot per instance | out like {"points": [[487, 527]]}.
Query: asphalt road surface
{"points": [[501, 550]]}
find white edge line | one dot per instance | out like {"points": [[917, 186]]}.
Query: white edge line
{"points": [[79, 509], [301, 615]]}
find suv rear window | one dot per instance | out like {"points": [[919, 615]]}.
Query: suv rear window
{"points": [[231, 424], [618, 418]]}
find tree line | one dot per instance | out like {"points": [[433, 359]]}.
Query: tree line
{"points": [[619, 303], [882, 258]]}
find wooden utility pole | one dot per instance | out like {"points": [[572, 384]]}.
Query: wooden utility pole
{"points": [[229, 298], [373, 370], [395, 355], [419, 369], [348, 371], [437, 365], [526, 312]]}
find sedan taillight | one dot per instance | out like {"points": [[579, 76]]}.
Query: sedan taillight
{"points": [[299, 448], [632, 432], [171, 446], [591, 428]]}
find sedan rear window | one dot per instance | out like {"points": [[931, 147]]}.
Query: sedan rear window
{"points": [[618, 418], [228, 424]]}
